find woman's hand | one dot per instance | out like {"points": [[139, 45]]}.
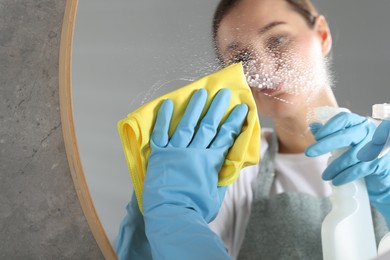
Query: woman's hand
{"points": [[375, 147], [379, 184], [348, 129], [180, 193]]}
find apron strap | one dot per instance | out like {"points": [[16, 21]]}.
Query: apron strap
{"points": [[266, 174]]}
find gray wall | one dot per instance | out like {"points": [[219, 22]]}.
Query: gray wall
{"points": [[361, 50], [40, 216]]}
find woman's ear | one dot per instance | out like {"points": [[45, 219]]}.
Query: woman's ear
{"points": [[323, 32]]}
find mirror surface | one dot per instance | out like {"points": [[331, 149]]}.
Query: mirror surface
{"points": [[126, 53]]}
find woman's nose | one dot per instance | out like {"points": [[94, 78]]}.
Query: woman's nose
{"points": [[263, 63]]}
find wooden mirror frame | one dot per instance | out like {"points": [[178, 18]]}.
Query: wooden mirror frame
{"points": [[69, 134]]}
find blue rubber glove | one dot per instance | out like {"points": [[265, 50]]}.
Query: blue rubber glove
{"points": [[131, 242], [373, 148], [181, 195], [348, 129], [380, 184]]}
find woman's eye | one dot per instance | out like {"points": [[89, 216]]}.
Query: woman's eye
{"points": [[276, 42]]}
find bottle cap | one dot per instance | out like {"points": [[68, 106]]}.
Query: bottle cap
{"points": [[381, 111]]}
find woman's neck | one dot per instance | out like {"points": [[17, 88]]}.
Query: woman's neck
{"points": [[294, 135]]}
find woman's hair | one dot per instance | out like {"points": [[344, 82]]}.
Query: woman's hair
{"points": [[303, 7]]}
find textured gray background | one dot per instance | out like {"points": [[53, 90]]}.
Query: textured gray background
{"points": [[40, 216]]}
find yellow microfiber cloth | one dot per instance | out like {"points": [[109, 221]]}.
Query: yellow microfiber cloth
{"points": [[135, 130]]}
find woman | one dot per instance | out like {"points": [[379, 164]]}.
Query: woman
{"points": [[275, 209]]}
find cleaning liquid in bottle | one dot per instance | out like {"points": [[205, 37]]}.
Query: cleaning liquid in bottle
{"points": [[347, 231]]}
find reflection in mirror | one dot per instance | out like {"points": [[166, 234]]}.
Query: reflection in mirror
{"points": [[126, 53]]}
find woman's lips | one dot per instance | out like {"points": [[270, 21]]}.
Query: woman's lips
{"points": [[275, 88]]}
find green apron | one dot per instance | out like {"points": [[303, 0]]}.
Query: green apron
{"points": [[287, 225]]}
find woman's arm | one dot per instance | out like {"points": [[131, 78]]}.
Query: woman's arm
{"points": [[181, 195]]}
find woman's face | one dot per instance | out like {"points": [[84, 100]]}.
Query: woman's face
{"points": [[282, 55]]}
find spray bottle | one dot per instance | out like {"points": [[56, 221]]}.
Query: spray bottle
{"points": [[347, 231]]}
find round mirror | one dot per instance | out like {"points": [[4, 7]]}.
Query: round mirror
{"points": [[125, 53]]}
